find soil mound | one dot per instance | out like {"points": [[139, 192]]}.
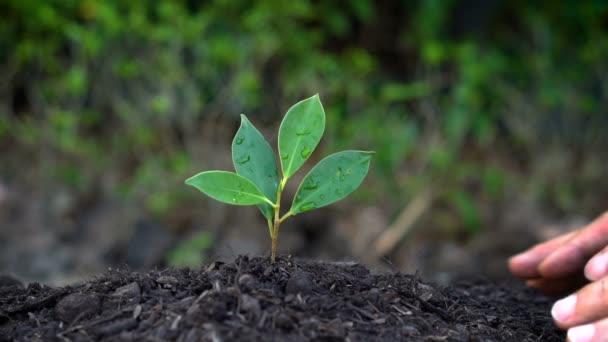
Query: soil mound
{"points": [[291, 300]]}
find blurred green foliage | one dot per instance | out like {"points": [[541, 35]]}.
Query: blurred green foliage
{"points": [[191, 252], [464, 97]]}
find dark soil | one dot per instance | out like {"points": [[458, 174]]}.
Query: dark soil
{"points": [[291, 300]]}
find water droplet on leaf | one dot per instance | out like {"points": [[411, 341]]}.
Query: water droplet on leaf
{"points": [[340, 174], [308, 206], [284, 156], [305, 152], [244, 159], [349, 171], [239, 140], [304, 132], [311, 186], [322, 197]]}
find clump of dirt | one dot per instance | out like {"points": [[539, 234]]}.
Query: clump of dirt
{"points": [[292, 300]]}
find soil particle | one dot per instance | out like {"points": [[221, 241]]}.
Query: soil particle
{"points": [[247, 282], [292, 300], [76, 305], [167, 281], [299, 282], [130, 292], [250, 305]]}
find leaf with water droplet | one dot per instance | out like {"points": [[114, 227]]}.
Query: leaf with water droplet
{"points": [[253, 159], [308, 206], [300, 133], [333, 184], [303, 132], [227, 187], [339, 173], [311, 186], [305, 152], [244, 160]]}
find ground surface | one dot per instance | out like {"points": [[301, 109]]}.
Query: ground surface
{"points": [[252, 300]]}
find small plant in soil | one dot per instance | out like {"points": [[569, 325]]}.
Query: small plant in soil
{"points": [[257, 182]]}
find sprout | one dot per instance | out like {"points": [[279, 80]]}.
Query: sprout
{"points": [[257, 182]]}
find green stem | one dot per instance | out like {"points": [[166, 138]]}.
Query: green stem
{"points": [[274, 235], [286, 216], [270, 227]]}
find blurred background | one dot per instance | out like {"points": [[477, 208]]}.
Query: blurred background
{"points": [[488, 118]]}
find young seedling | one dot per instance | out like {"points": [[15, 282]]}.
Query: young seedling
{"points": [[257, 182]]}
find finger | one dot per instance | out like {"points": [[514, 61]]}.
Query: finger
{"points": [[574, 253], [597, 267], [588, 332], [525, 265], [556, 287], [587, 305], [593, 332]]}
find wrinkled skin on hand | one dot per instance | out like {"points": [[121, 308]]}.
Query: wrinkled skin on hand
{"points": [[575, 263]]}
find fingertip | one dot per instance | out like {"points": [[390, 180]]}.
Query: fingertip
{"points": [[596, 267], [591, 273], [582, 333], [523, 265], [563, 310]]}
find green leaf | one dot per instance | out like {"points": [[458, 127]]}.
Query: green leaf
{"points": [[300, 133], [334, 178], [253, 159], [227, 187]]}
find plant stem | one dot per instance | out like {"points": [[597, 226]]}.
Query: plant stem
{"points": [[270, 230], [274, 235], [284, 217]]}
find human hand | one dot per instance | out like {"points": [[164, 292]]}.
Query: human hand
{"points": [[567, 262]]}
